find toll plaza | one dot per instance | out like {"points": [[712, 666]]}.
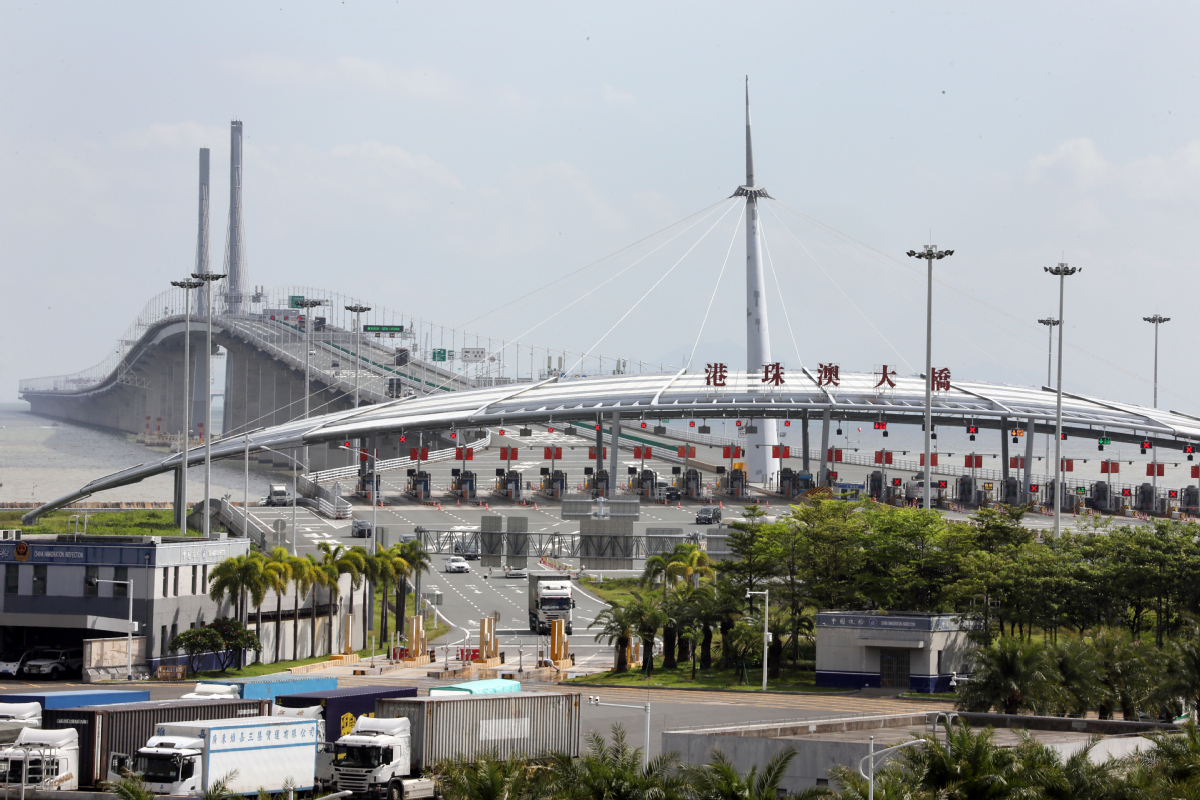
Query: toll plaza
{"points": [[418, 484], [732, 482], [792, 483], [462, 483], [597, 482], [554, 484], [508, 483], [692, 485]]}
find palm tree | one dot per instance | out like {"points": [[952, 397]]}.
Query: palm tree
{"points": [[233, 579], [613, 771], [367, 582], [1011, 675], [647, 617], [302, 579], [336, 560], [616, 627], [689, 563], [488, 778], [1078, 671], [277, 572], [655, 569], [413, 554], [392, 569], [720, 780]]}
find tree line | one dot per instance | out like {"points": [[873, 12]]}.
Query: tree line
{"points": [[246, 582]]}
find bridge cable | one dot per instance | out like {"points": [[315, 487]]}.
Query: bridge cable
{"points": [[652, 288], [716, 286], [779, 291]]}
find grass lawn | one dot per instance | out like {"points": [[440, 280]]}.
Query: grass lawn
{"points": [[616, 589], [128, 522], [681, 678]]}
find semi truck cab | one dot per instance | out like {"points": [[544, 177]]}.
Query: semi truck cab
{"points": [[39, 759], [169, 764], [550, 598], [375, 761]]}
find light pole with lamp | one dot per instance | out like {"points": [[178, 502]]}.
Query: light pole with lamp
{"points": [[1061, 272], [930, 254], [209, 278], [374, 541], [307, 305], [873, 754], [766, 593], [1050, 323], [187, 286], [1156, 320], [646, 750], [129, 632], [358, 309]]}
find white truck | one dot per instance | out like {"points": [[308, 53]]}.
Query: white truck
{"points": [[375, 761], [16, 717], [213, 691], [38, 759], [549, 599], [186, 758]]}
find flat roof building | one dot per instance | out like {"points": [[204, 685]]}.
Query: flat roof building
{"points": [[906, 651]]}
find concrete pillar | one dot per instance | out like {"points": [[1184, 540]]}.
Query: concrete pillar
{"points": [[612, 458], [821, 479], [804, 441], [1028, 460], [1003, 451]]}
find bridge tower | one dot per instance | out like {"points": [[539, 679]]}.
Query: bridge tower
{"points": [[235, 240], [758, 340], [200, 383]]}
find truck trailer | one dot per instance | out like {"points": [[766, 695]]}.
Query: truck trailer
{"points": [[109, 735], [550, 599], [338, 708], [391, 755], [250, 754], [267, 687]]}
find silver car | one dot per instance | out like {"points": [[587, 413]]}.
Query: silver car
{"points": [[457, 564]]}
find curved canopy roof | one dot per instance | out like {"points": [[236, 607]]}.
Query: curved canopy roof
{"points": [[689, 395]]}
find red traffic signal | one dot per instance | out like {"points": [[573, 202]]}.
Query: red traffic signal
{"points": [[692, 423], [643, 424], [502, 431], [1189, 449], [403, 439], [1147, 444], [897, 482], [453, 435], [940, 485], [972, 429], [787, 423], [833, 476], [1033, 487], [881, 426]]}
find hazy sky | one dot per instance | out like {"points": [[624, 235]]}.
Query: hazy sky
{"points": [[443, 159]]}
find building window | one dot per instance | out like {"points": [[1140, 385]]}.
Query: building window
{"points": [[939, 663], [174, 631], [11, 573], [175, 583], [90, 576], [193, 579], [191, 626], [166, 582], [163, 637], [121, 589], [204, 579], [39, 578]]}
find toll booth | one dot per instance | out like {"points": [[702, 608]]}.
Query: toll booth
{"points": [[462, 483], [1012, 492], [734, 483], [1101, 500], [1190, 502], [418, 484], [554, 484], [363, 487], [646, 483], [792, 483], [1145, 498], [508, 484], [965, 490], [875, 486], [692, 486], [598, 485]]}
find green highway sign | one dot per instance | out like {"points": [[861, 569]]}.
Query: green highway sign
{"points": [[383, 328], [295, 300], [1080, 490], [1104, 440], [438, 354]]}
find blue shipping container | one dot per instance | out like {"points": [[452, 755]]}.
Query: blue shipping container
{"points": [[74, 699], [343, 707], [268, 687]]}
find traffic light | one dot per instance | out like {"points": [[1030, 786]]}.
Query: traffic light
{"points": [[692, 423], [897, 482], [1189, 450], [833, 476], [1033, 487], [1064, 437], [787, 423], [1146, 445], [881, 426], [972, 430], [940, 485], [502, 431]]}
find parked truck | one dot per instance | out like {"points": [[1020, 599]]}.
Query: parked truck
{"points": [[40, 759], [16, 717], [549, 599], [109, 735], [278, 495], [250, 754], [339, 709], [390, 756]]}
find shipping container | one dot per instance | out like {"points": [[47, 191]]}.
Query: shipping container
{"points": [[342, 707], [83, 697], [267, 687], [492, 686], [104, 730], [528, 724]]}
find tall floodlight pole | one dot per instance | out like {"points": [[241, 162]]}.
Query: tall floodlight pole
{"points": [[1156, 320], [1061, 271], [358, 310], [758, 343], [209, 278], [187, 286], [1050, 323], [308, 306], [930, 254]]}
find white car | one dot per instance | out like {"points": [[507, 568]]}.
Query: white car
{"points": [[54, 664], [13, 663], [457, 564]]}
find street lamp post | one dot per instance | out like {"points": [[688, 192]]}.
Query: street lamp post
{"points": [[930, 254], [374, 542], [358, 310], [1061, 271], [307, 305], [1156, 320], [1050, 323], [187, 286], [645, 751], [208, 278], [766, 593], [129, 631]]}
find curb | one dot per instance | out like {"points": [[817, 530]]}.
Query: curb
{"points": [[835, 692]]}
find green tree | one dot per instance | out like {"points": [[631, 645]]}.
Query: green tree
{"points": [[1079, 674], [1011, 676], [418, 562], [755, 560], [488, 778], [196, 642], [616, 628], [277, 573], [646, 617], [834, 539], [239, 579], [719, 779], [235, 639], [613, 771], [302, 578], [336, 561]]}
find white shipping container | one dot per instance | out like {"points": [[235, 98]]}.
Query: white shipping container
{"points": [[265, 752]]}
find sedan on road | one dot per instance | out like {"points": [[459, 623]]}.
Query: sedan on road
{"points": [[708, 515], [457, 564]]}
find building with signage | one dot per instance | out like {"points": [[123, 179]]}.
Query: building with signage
{"points": [[57, 594], [906, 651]]}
